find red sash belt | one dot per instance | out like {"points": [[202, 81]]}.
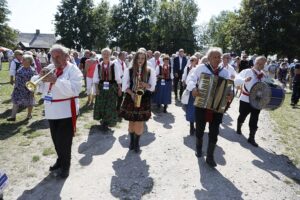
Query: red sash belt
{"points": [[245, 93], [73, 110]]}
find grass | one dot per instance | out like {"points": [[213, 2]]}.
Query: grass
{"points": [[25, 143], [288, 128], [34, 135], [35, 158], [48, 151]]}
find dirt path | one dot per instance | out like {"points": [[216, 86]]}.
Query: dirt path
{"points": [[102, 167]]}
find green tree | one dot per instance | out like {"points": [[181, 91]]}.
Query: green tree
{"points": [[73, 23], [262, 27], [101, 19], [7, 35], [131, 23], [175, 26]]}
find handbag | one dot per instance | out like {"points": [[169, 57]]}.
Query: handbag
{"points": [[185, 97]]}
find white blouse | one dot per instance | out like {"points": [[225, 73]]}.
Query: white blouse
{"points": [[117, 74], [126, 80]]}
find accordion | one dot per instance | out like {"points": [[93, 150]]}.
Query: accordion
{"points": [[213, 92]]}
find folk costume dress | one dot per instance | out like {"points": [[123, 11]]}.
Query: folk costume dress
{"points": [[163, 87], [128, 111], [107, 78], [21, 95], [190, 108]]}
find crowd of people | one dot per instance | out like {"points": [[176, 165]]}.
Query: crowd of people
{"points": [[122, 85]]}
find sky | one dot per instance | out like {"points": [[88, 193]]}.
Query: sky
{"points": [[29, 15]]}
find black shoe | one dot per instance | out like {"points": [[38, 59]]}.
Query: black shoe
{"points": [[55, 166], [28, 118], [131, 145], [11, 119], [252, 141], [198, 152], [165, 109], [211, 162], [210, 155], [137, 144], [64, 173], [239, 128]]}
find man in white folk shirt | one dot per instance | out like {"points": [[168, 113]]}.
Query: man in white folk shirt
{"points": [[60, 91], [156, 60], [120, 64], [246, 79], [226, 59]]}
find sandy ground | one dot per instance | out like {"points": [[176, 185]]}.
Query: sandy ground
{"points": [[103, 168]]}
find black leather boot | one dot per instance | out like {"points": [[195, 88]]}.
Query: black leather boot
{"points": [[210, 155], [239, 128], [251, 138], [165, 108], [131, 144], [55, 166], [198, 152], [192, 128], [137, 143]]}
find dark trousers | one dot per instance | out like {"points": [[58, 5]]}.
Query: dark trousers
{"points": [[296, 92], [246, 109], [62, 136], [177, 81], [213, 126]]}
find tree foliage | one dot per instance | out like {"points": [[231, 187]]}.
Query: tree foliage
{"points": [[73, 23], [131, 23], [174, 26], [7, 35], [263, 27], [166, 25]]}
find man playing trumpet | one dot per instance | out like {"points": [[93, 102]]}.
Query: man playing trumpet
{"points": [[60, 92]]}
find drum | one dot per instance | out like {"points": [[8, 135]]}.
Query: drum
{"points": [[266, 95]]}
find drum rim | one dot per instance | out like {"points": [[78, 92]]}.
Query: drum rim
{"points": [[283, 98]]}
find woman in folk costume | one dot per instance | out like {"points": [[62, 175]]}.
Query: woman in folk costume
{"points": [[108, 88], [163, 89], [138, 79], [21, 96], [190, 109]]}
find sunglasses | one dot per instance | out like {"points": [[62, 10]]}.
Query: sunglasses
{"points": [[193, 60]]}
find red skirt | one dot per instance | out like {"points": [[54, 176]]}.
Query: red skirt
{"points": [[131, 113]]}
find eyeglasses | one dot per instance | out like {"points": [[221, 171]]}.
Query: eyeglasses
{"points": [[193, 60]]}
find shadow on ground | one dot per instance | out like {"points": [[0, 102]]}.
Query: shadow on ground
{"points": [[132, 179], [266, 159], [8, 129], [98, 143], [215, 185], [146, 139], [49, 188]]}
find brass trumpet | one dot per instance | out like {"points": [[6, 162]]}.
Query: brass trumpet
{"points": [[32, 85], [139, 92]]}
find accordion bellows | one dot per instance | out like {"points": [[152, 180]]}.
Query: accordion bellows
{"points": [[213, 92]]}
